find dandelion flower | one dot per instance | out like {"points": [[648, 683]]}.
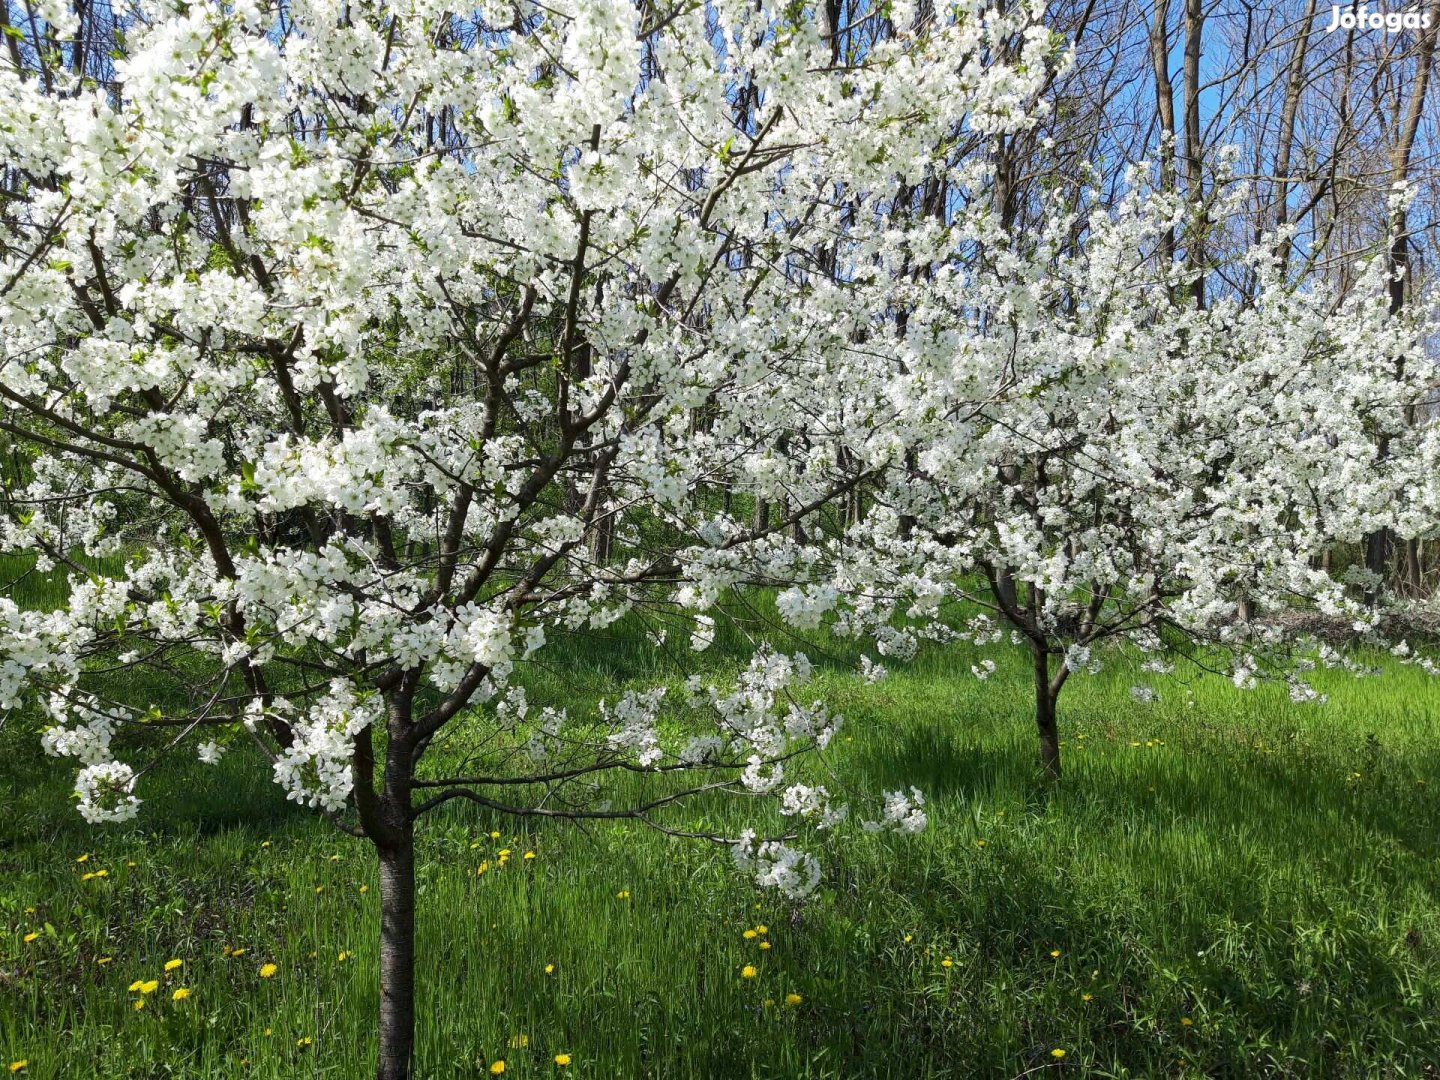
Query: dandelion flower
{"points": [[497, 1068], [180, 994], [267, 971], [909, 938], [562, 1060], [31, 936], [304, 1041], [1055, 954], [103, 959], [529, 855], [319, 889], [749, 935], [494, 836], [504, 853], [343, 956], [17, 1066], [549, 969], [1185, 1021], [171, 965], [265, 843], [793, 999], [1087, 997], [623, 894], [139, 1004], [947, 963], [83, 858], [1057, 1053], [761, 928], [748, 971], [364, 888], [764, 945]]}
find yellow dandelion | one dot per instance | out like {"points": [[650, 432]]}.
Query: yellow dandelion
{"points": [[761, 928], [1087, 997], [343, 956], [1057, 1053], [623, 894], [750, 934], [947, 963], [1055, 954], [268, 1032], [562, 1060], [304, 1041], [171, 965], [504, 853], [549, 969], [1185, 1021], [83, 858], [18, 1066], [529, 855], [793, 999], [180, 994], [264, 843], [979, 843], [267, 971], [748, 971], [319, 889], [497, 1068], [103, 959], [481, 868], [139, 1004], [909, 938], [31, 936], [364, 888], [764, 945]]}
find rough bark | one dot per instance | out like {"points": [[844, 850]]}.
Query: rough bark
{"points": [[397, 958], [1045, 720]]}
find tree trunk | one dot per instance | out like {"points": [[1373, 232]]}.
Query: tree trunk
{"points": [[1045, 697], [397, 958]]}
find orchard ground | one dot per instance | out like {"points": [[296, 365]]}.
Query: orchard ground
{"points": [[1223, 884]]}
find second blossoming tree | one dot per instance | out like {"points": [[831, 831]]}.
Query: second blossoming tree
{"points": [[1094, 457]]}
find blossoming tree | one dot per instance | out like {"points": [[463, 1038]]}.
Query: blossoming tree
{"points": [[347, 349], [1098, 458]]}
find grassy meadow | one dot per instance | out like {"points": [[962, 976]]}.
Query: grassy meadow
{"points": [[1225, 884]]}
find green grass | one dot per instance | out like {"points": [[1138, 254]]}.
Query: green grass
{"points": [[1267, 870]]}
